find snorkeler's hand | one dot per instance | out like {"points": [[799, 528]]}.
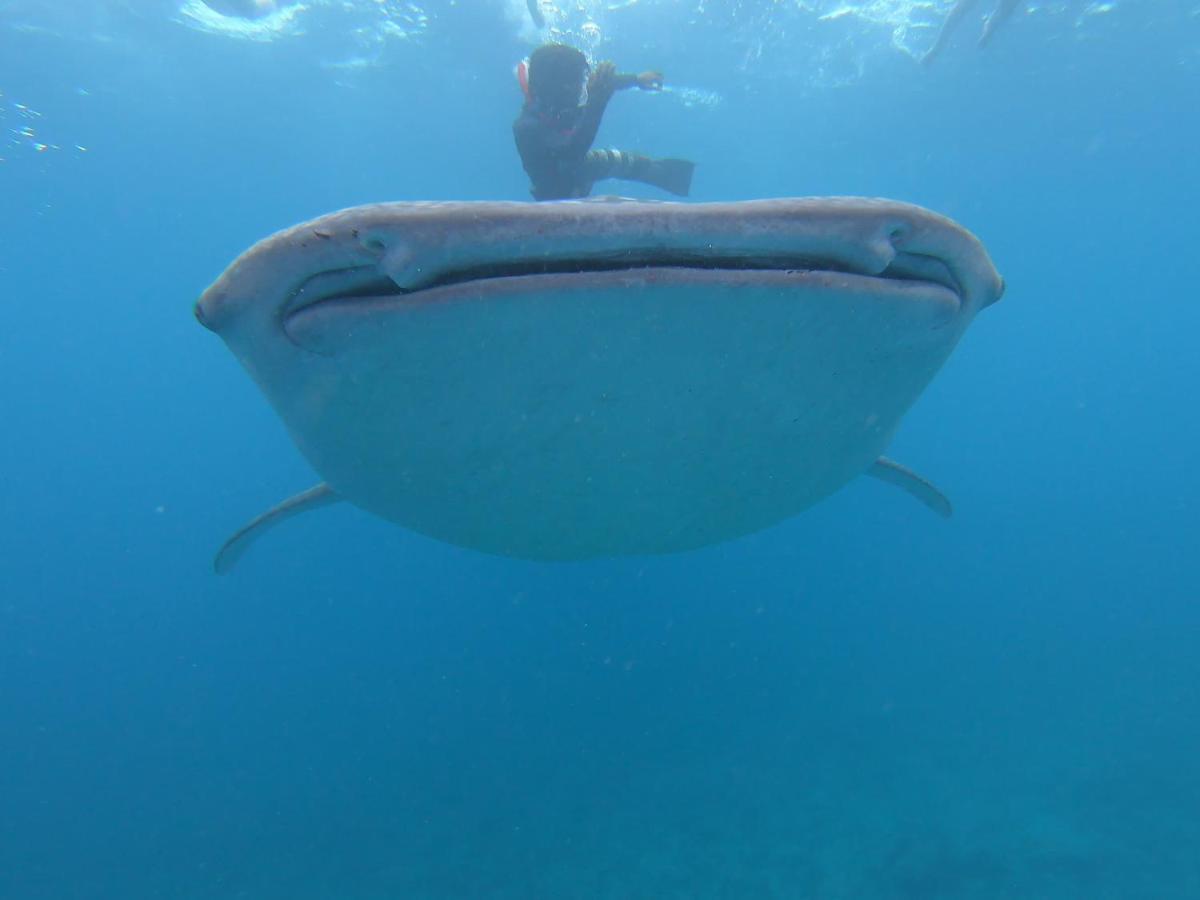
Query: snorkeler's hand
{"points": [[603, 82], [650, 81]]}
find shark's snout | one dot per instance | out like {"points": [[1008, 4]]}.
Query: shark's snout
{"points": [[198, 312], [215, 307]]}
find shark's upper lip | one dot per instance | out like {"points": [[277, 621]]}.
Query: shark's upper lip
{"points": [[416, 251]]}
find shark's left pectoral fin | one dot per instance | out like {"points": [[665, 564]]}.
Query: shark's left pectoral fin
{"points": [[909, 481], [231, 552]]}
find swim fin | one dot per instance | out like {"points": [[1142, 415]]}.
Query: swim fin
{"points": [[672, 175]]}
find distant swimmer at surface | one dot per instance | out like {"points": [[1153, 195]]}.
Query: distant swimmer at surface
{"points": [[535, 13], [560, 118], [242, 9], [1003, 11]]}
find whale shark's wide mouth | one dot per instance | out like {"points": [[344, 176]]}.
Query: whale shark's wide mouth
{"points": [[394, 256], [353, 285]]}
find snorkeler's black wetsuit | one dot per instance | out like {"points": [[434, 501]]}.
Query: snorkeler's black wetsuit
{"points": [[555, 151]]}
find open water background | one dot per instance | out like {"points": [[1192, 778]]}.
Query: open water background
{"points": [[865, 702]]}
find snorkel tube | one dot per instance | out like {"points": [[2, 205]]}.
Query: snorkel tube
{"points": [[522, 73]]}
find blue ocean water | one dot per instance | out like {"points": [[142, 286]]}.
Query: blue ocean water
{"points": [[864, 702]]}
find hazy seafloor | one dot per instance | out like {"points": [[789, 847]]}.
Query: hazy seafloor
{"points": [[865, 702]]}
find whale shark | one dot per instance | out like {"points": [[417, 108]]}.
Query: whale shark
{"points": [[602, 377]]}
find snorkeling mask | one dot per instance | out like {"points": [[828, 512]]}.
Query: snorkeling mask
{"points": [[522, 73]]}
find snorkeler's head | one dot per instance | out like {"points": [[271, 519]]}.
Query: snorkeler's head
{"points": [[556, 75]]}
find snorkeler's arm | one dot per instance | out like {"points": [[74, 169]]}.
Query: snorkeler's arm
{"points": [[647, 81], [601, 86], [584, 134]]}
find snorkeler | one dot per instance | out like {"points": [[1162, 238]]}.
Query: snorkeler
{"points": [[1004, 9], [559, 121]]}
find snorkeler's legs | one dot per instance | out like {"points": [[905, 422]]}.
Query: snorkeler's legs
{"points": [[671, 175], [1004, 9]]}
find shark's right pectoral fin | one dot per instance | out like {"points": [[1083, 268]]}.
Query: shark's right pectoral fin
{"points": [[231, 552], [911, 483]]}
